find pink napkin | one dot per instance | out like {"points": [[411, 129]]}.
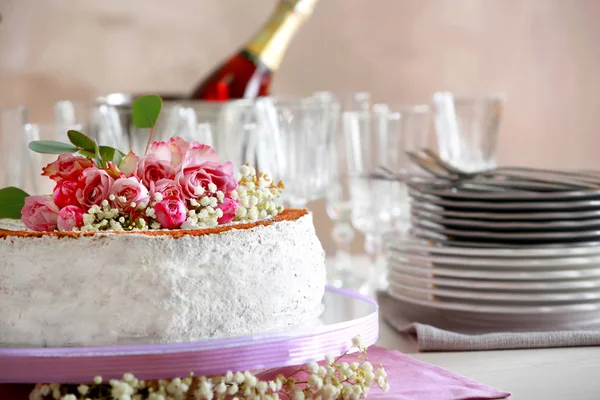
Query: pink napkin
{"points": [[409, 379]]}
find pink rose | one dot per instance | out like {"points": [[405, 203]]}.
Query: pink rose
{"points": [[202, 175], [168, 188], [221, 175], [66, 166], [65, 193], [182, 153], [229, 207], [179, 149], [170, 213], [132, 190], [151, 168], [93, 186], [200, 154], [40, 213], [129, 164], [70, 217]]}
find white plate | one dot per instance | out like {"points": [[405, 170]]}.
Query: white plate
{"points": [[416, 244], [531, 215], [484, 263], [593, 273], [479, 297], [465, 223], [442, 240], [536, 206], [517, 309], [466, 317], [447, 189], [515, 286], [541, 236]]}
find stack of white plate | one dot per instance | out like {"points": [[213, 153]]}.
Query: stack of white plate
{"points": [[515, 259]]}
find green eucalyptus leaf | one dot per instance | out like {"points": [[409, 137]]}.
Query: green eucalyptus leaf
{"points": [[88, 154], [81, 141], [146, 110], [107, 153], [99, 161], [52, 147], [12, 200], [118, 158]]}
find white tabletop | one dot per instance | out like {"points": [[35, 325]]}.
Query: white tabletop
{"points": [[565, 373]]}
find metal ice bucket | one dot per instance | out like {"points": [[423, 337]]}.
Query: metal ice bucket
{"points": [[238, 129]]}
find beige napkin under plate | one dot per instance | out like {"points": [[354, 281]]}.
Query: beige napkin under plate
{"points": [[436, 334]]}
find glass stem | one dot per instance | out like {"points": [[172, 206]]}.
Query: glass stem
{"points": [[373, 247], [342, 234]]}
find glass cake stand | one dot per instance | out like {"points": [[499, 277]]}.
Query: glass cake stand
{"points": [[346, 314]]}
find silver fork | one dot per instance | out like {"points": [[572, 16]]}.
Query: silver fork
{"points": [[561, 179]]}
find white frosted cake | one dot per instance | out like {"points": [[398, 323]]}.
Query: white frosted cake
{"points": [[162, 286], [167, 246]]}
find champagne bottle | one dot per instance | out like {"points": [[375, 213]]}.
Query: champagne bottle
{"points": [[248, 73]]}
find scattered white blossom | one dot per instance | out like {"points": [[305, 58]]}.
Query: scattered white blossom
{"points": [[199, 190], [257, 195], [333, 380]]}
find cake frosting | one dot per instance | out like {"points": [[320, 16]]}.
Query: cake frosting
{"points": [[158, 286]]}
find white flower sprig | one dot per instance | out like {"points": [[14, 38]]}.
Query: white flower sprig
{"points": [[335, 379], [109, 218], [204, 212], [258, 196]]}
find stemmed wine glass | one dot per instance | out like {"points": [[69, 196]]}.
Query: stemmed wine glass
{"points": [[338, 202], [300, 137], [376, 141], [14, 154]]}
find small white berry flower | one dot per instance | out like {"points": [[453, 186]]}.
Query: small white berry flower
{"points": [[299, 395], [83, 389], [245, 170], [221, 388], [330, 359], [199, 190]]}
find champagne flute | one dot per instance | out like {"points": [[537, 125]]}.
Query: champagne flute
{"points": [[301, 132], [376, 140], [14, 154], [338, 201]]}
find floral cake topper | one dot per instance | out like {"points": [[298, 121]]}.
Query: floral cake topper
{"points": [[175, 184]]}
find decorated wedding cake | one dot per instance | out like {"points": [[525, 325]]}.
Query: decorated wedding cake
{"points": [[164, 247]]}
